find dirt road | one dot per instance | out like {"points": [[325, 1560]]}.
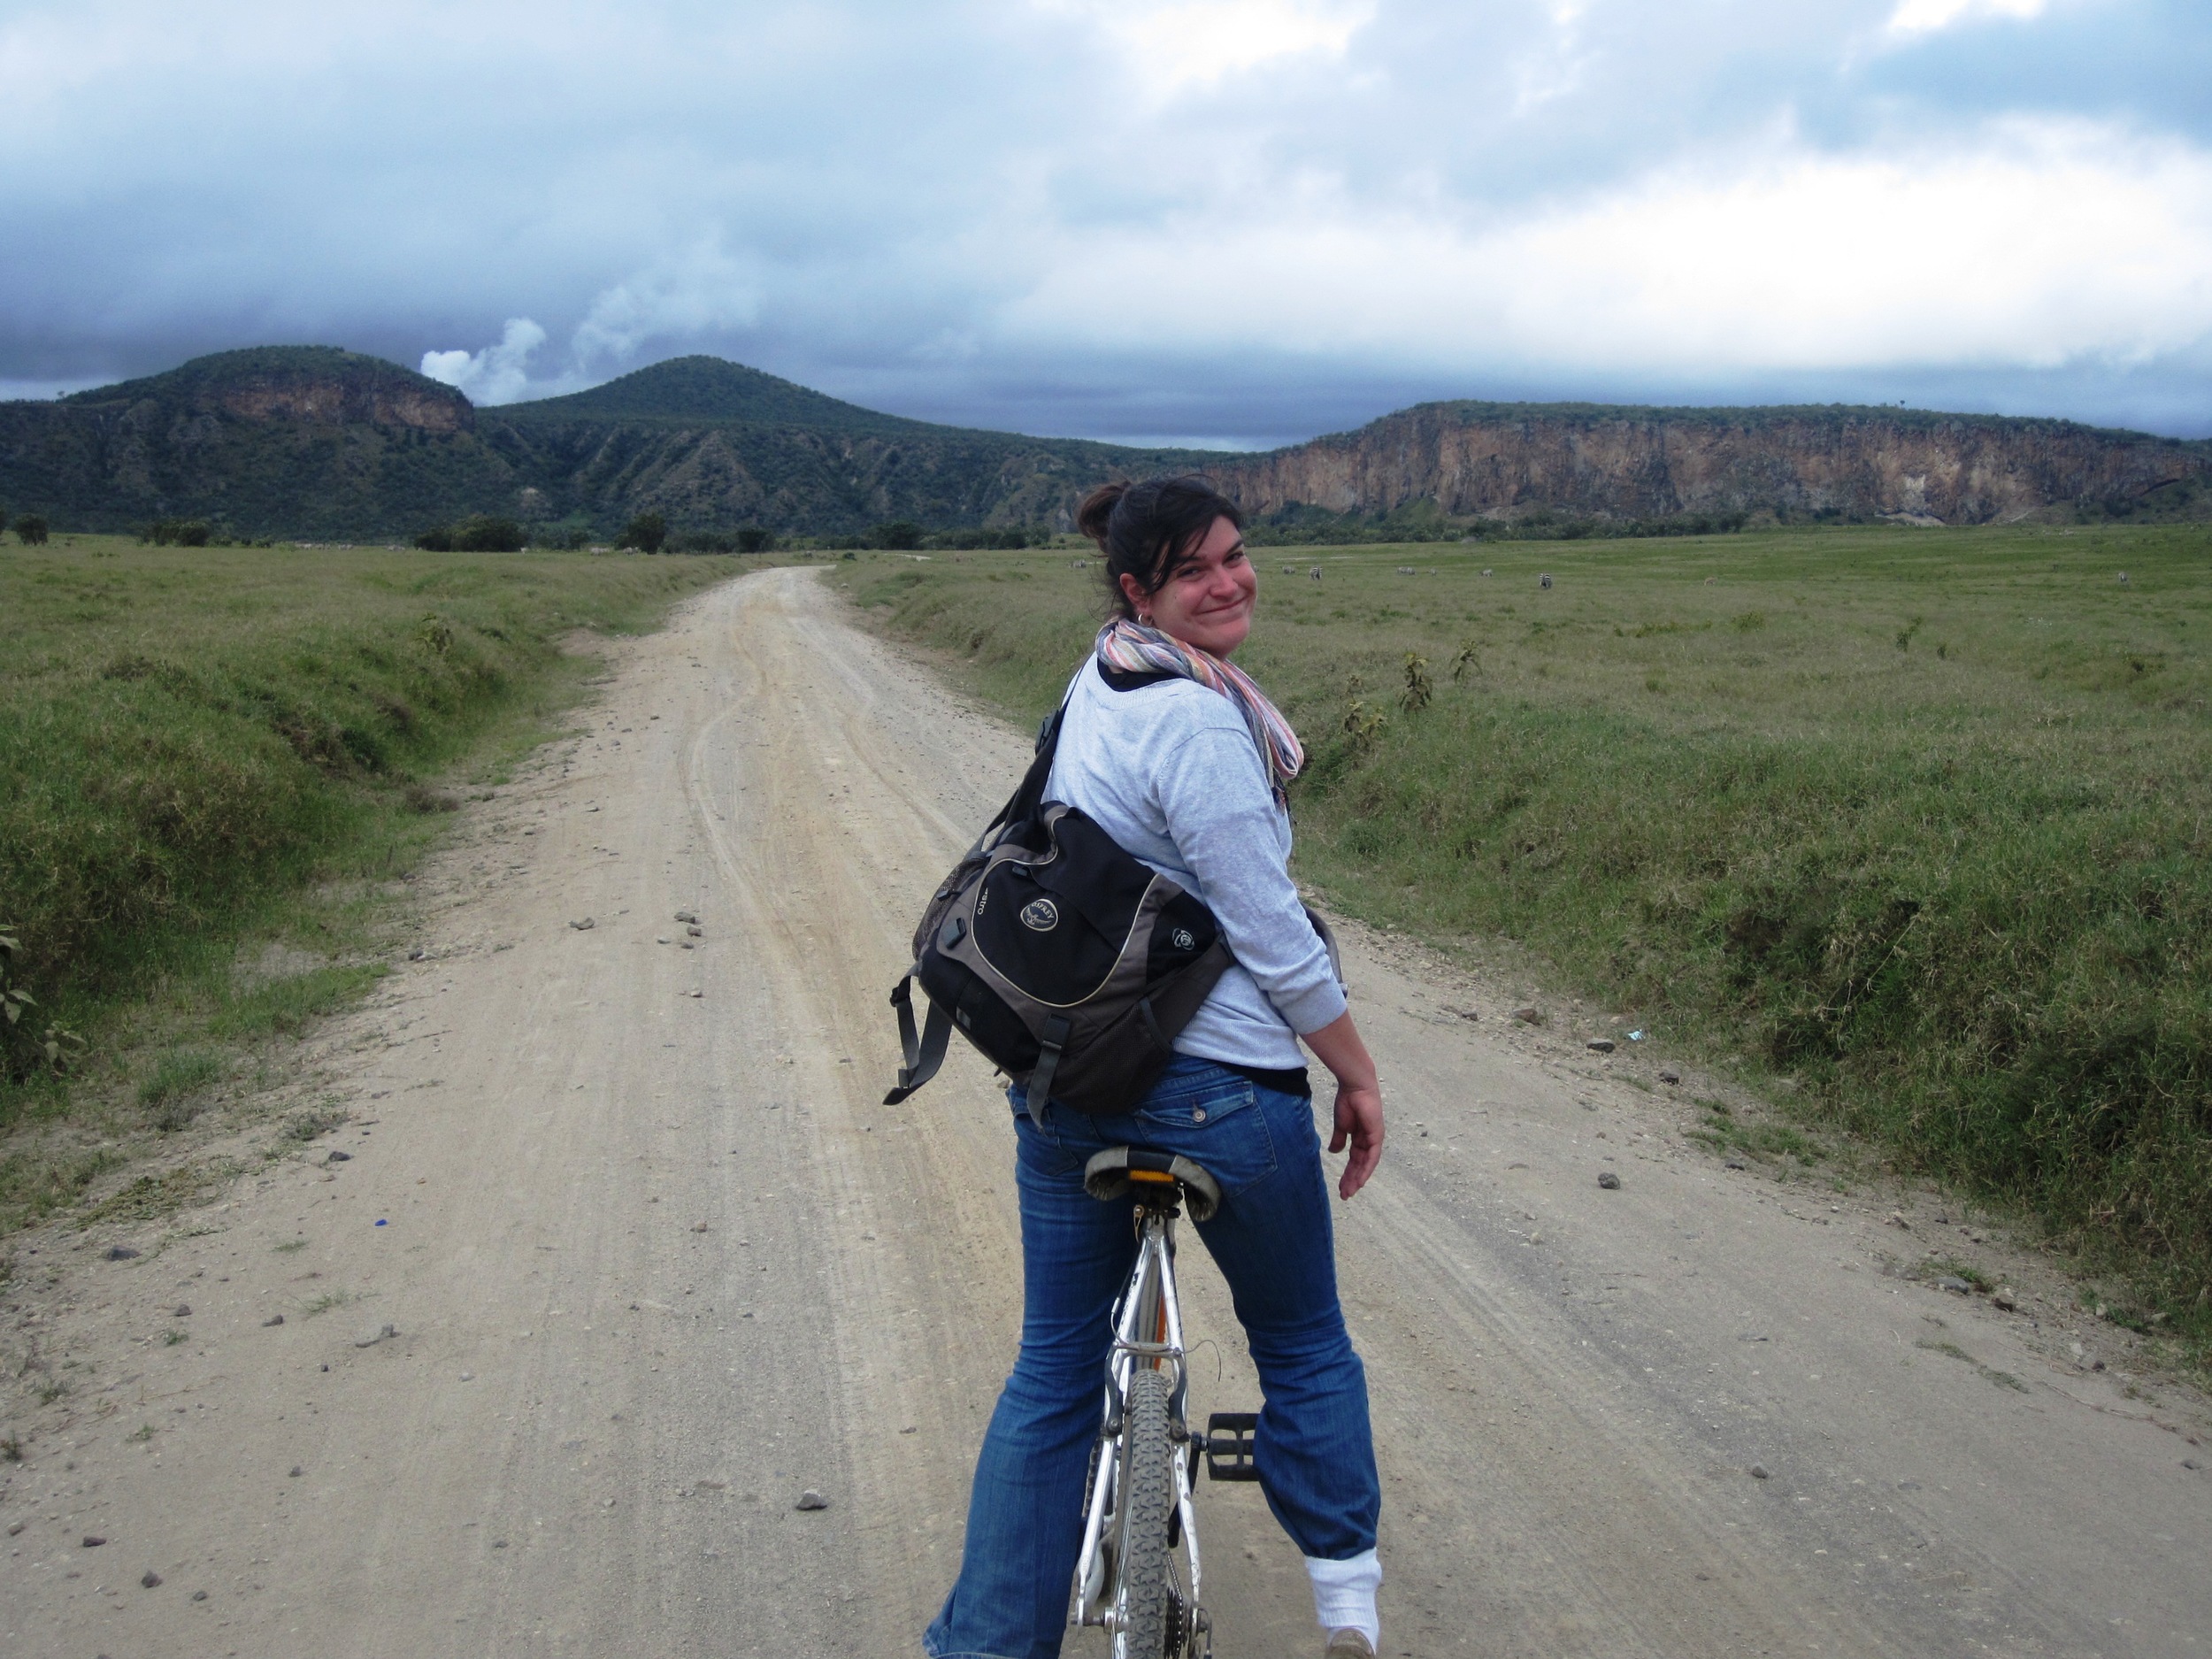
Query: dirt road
{"points": [[655, 1261]]}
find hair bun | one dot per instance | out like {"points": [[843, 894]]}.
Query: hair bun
{"points": [[1098, 511]]}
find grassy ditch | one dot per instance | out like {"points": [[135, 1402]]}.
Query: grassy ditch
{"points": [[206, 749], [1918, 819]]}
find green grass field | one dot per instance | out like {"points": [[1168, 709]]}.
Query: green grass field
{"points": [[206, 749], [1914, 818]]}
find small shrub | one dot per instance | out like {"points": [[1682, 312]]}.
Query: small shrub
{"points": [[476, 534], [1415, 695], [178, 533], [24, 1046], [898, 535], [30, 530], [648, 533], [1363, 724], [752, 539], [479, 533]]}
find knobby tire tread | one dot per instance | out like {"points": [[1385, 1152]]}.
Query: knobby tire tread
{"points": [[1148, 1492]]}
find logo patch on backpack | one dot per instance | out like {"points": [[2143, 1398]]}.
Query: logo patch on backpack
{"points": [[1182, 939], [1040, 915]]}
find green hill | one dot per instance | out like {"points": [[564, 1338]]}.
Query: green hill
{"points": [[711, 390], [315, 443]]}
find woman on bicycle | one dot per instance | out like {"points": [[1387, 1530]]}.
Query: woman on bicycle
{"points": [[1182, 759]]}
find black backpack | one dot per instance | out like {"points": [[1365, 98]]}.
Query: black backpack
{"points": [[1067, 962]]}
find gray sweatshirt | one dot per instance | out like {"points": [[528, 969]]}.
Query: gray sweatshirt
{"points": [[1170, 771]]}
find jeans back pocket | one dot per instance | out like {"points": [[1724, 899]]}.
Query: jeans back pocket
{"points": [[1214, 1118]]}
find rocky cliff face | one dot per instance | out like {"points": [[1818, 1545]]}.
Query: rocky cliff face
{"points": [[1490, 460], [336, 403]]}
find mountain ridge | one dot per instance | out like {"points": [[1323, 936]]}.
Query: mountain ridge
{"points": [[320, 441], [1471, 460], [712, 389]]}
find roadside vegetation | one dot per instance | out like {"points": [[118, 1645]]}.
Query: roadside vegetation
{"points": [[215, 763], [1911, 825]]}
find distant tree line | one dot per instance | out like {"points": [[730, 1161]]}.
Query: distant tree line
{"points": [[197, 532], [1301, 526], [647, 532], [904, 536], [2174, 499]]}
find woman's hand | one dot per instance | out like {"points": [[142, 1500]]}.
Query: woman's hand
{"points": [[1359, 1119], [1359, 1108]]}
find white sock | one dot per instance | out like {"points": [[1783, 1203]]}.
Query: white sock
{"points": [[1344, 1595]]}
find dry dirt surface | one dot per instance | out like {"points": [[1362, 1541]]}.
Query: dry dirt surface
{"points": [[619, 1255]]}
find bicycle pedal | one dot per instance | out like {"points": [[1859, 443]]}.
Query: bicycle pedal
{"points": [[1229, 1446]]}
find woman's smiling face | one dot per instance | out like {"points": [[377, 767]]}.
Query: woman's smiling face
{"points": [[1207, 602]]}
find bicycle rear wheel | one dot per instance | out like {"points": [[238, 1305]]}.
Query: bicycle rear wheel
{"points": [[1146, 1500]]}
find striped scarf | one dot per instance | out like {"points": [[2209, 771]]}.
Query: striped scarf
{"points": [[1132, 648]]}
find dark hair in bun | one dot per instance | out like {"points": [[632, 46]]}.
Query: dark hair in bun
{"points": [[1150, 530]]}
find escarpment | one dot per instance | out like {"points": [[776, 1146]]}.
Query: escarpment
{"points": [[1476, 460]]}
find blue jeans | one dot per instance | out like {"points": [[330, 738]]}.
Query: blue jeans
{"points": [[1273, 1242]]}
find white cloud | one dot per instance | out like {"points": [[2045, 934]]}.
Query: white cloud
{"points": [[1187, 43], [914, 201], [2037, 246], [499, 373], [701, 291], [1925, 16]]}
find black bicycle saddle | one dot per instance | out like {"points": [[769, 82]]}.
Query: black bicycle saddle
{"points": [[1112, 1173]]}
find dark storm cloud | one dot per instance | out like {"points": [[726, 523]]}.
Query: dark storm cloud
{"points": [[1222, 220]]}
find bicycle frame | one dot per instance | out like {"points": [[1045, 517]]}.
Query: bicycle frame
{"points": [[1147, 1333]]}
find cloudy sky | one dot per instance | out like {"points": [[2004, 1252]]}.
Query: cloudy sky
{"points": [[1225, 221]]}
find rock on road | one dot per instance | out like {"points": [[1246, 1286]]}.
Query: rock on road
{"points": [[655, 1262]]}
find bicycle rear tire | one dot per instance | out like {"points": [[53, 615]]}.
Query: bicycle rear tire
{"points": [[1147, 1500]]}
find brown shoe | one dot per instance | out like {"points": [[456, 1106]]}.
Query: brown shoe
{"points": [[1350, 1643]]}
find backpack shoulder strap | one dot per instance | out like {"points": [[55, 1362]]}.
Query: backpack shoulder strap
{"points": [[1024, 802]]}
